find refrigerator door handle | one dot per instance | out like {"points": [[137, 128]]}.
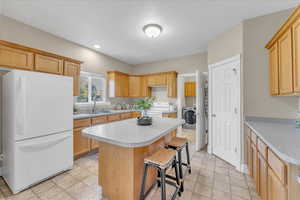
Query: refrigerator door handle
{"points": [[22, 101], [45, 144]]}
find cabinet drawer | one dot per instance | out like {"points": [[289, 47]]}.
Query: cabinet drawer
{"points": [[253, 138], [135, 114], [112, 118], [277, 166], [78, 123], [262, 148], [99, 120], [126, 115]]}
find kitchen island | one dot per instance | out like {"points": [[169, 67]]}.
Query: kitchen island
{"points": [[123, 145]]}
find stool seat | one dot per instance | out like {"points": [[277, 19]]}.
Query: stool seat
{"points": [[178, 142], [162, 157]]}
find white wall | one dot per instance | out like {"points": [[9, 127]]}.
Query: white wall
{"points": [[257, 32], [226, 45], [14, 31], [184, 64]]}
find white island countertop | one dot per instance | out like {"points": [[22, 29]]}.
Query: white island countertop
{"points": [[281, 136], [127, 133]]}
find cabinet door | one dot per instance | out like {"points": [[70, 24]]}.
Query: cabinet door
{"points": [[15, 58], [262, 173], [124, 85], [250, 157], [273, 70], [285, 63], [145, 89], [151, 80], [135, 86], [160, 79], [172, 85], [48, 64], [296, 55], [73, 70], [254, 164], [81, 145], [276, 191]]}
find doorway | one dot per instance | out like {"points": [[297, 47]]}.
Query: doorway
{"points": [[192, 107], [225, 110]]}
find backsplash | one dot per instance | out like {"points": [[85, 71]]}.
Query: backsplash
{"points": [[161, 95]]}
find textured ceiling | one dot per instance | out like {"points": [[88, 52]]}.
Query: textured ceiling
{"points": [[116, 25]]}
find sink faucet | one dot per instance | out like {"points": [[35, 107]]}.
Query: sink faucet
{"points": [[94, 104]]}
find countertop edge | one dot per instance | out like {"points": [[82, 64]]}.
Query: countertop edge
{"points": [[282, 156]]}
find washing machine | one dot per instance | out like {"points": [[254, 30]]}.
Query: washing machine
{"points": [[189, 115]]}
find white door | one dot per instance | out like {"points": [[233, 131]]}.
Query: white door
{"points": [[44, 104], [225, 109]]}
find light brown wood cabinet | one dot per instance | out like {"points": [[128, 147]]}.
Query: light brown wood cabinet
{"points": [[118, 83], [274, 178], [170, 115], [285, 63], [126, 85], [262, 177], [276, 191], [296, 55], [95, 121], [273, 70], [16, 58], [172, 84], [81, 144], [73, 70], [48, 64], [190, 89], [284, 55]]}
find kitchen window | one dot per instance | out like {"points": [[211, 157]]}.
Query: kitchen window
{"points": [[92, 87]]}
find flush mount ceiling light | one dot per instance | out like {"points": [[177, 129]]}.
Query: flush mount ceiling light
{"points": [[152, 30], [96, 46]]}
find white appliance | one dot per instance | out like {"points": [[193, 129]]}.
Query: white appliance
{"points": [[37, 127], [158, 108]]}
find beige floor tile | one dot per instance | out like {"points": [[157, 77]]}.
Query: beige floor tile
{"points": [[203, 190], [240, 192], [91, 180], [221, 187], [186, 195], [220, 195], [196, 196], [51, 193], [65, 180], [25, 195], [62, 196], [43, 187], [5, 191], [238, 182], [206, 180]]}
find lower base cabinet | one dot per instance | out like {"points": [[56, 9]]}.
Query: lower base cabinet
{"points": [[81, 144], [262, 177], [276, 191]]}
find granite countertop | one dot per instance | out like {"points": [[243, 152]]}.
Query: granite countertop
{"points": [[281, 135], [127, 133], [112, 112]]}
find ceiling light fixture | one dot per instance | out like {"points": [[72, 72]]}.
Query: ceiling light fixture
{"points": [[152, 30], [97, 46]]}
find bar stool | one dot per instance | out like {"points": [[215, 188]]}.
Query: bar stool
{"points": [[178, 144], [161, 160]]}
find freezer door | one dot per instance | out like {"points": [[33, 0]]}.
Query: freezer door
{"points": [[37, 159], [44, 104]]}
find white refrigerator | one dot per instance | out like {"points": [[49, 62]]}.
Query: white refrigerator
{"points": [[37, 127]]}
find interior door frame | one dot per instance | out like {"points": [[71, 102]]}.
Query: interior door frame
{"points": [[240, 150]]}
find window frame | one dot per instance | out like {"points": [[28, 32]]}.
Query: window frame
{"points": [[91, 76]]}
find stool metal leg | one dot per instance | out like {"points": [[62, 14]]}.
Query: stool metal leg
{"points": [[142, 194], [180, 170], [163, 183], [188, 158], [177, 175]]}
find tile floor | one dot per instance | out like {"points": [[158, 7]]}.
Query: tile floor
{"points": [[211, 179]]}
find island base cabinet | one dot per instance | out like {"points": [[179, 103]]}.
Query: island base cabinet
{"points": [[262, 176], [121, 169]]}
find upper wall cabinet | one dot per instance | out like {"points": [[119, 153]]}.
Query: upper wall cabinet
{"points": [[16, 58], [284, 55], [25, 58], [190, 89], [126, 85], [73, 70], [48, 64]]}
